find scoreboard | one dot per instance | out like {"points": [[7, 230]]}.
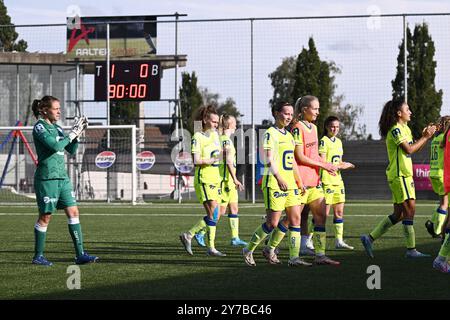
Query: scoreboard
{"points": [[129, 80]]}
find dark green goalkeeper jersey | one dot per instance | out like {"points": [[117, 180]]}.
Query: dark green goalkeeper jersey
{"points": [[50, 142]]}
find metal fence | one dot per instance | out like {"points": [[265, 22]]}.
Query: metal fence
{"points": [[233, 58]]}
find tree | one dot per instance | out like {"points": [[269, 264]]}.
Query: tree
{"points": [[190, 99], [227, 107], [283, 80], [313, 77], [305, 75], [348, 116], [8, 35], [124, 113], [423, 98]]}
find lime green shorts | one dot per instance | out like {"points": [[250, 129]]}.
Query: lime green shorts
{"points": [[402, 189], [334, 194], [207, 192], [229, 193], [312, 194], [438, 185], [278, 200], [54, 194]]}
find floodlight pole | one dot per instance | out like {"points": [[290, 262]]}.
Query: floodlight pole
{"points": [[108, 107], [253, 153], [177, 106], [405, 57], [17, 141]]}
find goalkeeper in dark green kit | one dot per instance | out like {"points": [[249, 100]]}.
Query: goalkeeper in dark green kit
{"points": [[52, 184]]}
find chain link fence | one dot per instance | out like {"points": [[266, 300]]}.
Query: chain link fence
{"points": [[232, 58]]}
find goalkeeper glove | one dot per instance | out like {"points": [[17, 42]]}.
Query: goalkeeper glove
{"points": [[77, 128]]}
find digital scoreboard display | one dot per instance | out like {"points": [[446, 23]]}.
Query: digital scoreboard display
{"points": [[129, 80]]}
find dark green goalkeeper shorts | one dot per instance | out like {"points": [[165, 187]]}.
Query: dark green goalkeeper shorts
{"points": [[54, 194]]}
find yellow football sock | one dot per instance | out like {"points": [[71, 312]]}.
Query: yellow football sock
{"points": [[440, 220], [198, 227], [383, 227], [259, 235], [338, 225], [276, 236], [445, 248], [233, 220], [320, 240], [294, 241], [210, 232], [410, 235]]}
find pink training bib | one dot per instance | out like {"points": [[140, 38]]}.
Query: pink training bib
{"points": [[308, 140]]}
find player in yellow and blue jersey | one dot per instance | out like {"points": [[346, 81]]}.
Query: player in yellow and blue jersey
{"points": [[434, 226], [331, 150], [229, 185], [400, 145], [205, 148], [282, 190], [441, 262]]}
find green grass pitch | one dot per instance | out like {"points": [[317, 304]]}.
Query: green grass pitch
{"points": [[141, 257]]}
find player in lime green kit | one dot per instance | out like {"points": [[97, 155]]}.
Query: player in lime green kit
{"points": [[399, 142], [441, 262], [52, 184], [229, 185], [206, 152], [280, 185], [434, 226], [331, 150]]}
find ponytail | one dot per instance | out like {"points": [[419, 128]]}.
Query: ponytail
{"points": [[35, 108], [389, 115], [224, 122], [300, 105], [39, 107], [204, 112]]}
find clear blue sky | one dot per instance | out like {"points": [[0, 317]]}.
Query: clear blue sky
{"points": [[366, 56]]}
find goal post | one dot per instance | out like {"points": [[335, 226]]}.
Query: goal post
{"points": [[90, 169]]}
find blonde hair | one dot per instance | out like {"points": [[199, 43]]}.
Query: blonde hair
{"points": [[300, 105], [224, 122]]}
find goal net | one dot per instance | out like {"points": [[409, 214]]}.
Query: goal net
{"points": [[102, 170]]}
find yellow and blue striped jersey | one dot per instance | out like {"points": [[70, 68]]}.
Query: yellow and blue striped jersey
{"points": [[333, 151], [437, 157], [208, 146], [282, 145], [227, 145], [400, 163]]}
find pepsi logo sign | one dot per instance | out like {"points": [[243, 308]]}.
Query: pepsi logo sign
{"points": [[145, 160], [183, 162], [105, 159]]}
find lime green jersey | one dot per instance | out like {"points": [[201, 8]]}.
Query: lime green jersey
{"points": [[333, 151], [227, 145], [207, 145], [400, 163], [50, 142], [282, 145], [437, 157]]}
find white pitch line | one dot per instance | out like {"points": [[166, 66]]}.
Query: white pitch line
{"points": [[180, 215], [247, 206]]}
